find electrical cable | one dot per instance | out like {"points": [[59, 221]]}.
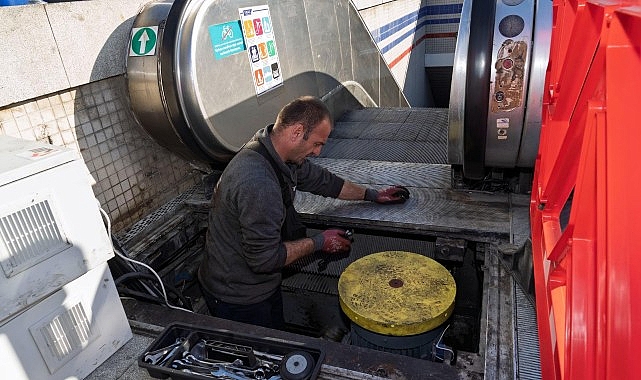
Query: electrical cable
{"points": [[162, 286], [444, 348], [120, 281], [131, 268]]}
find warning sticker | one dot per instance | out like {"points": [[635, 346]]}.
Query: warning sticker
{"points": [[261, 47], [226, 39]]}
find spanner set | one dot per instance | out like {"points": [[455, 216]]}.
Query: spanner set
{"points": [[190, 352]]}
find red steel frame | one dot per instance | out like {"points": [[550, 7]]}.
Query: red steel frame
{"points": [[588, 268]]}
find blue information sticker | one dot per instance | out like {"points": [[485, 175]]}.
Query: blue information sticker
{"points": [[226, 39]]}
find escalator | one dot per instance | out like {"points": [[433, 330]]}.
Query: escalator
{"points": [[467, 213]]}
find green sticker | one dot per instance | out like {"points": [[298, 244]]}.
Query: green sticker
{"points": [[143, 40]]}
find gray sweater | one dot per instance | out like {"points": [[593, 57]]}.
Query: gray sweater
{"points": [[244, 250]]}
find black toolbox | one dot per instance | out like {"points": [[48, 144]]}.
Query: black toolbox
{"points": [[184, 351]]}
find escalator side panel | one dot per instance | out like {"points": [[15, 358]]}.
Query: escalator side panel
{"points": [[509, 75]]}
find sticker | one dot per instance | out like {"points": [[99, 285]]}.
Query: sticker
{"points": [[509, 74], [143, 41], [503, 122], [502, 125], [37, 153], [262, 53], [267, 73], [226, 39]]}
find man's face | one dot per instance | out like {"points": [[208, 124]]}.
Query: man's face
{"points": [[314, 143]]}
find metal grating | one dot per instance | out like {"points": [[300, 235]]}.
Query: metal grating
{"points": [[382, 173], [393, 115], [365, 114], [322, 271], [29, 236], [156, 216], [527, 337], [428, 211], [416, 135], [348, 129], [386, 150]]}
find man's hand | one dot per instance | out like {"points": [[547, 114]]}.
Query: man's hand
{"points": [[332, 241], [390, 195]]}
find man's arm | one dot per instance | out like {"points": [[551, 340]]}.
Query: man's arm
{"points": [[332, 241], [297, 249], [389, 195], [352, 192]]}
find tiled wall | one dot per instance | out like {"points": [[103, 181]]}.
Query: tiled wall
{"points": [[442, 26], [133, 174]]}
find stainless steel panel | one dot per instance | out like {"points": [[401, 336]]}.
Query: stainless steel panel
{"points": [[205, 108], [208, 88], [391, 95], [145, 90], [330, 47], [513, 29], [540, 56], [365, 57], [457, 90]]}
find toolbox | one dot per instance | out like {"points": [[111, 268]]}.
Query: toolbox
{"points": [[184, 351]]}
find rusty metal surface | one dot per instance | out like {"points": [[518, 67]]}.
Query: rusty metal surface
{"points": [[397, 293]]}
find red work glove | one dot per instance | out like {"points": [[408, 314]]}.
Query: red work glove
{"points": [[332, 241], [390, 195]]}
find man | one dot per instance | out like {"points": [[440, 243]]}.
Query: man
{"points": [[250, 236]]}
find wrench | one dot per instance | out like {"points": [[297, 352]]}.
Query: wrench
{"points": [[226, 374], [156, 356], [208, 363], [258, 374]]}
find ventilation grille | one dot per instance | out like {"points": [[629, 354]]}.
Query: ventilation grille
{"points": [[63, 337], [29, 236]]}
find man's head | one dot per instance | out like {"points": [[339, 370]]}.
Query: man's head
{"points": [[301, 129]]}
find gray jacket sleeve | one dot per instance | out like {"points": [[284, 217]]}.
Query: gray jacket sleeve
{"points": [[318, 180]]}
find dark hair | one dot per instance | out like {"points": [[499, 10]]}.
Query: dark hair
{"points": [[307, 110]]}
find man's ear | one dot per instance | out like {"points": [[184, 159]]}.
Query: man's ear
{"points": [[297, 131]]}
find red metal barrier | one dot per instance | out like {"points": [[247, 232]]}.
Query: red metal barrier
{"points": [[588, 267]]}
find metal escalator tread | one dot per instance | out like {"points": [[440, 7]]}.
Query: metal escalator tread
{"points": [[406, 146], [384, 150], [385, 172], [479, 216], [390, 134]]}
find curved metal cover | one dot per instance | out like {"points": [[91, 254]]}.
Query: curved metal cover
{"points": [[204, 106], [517, 73], [192, 101], [536, 88], [457, 90], [509, 81], [204, 80]]}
